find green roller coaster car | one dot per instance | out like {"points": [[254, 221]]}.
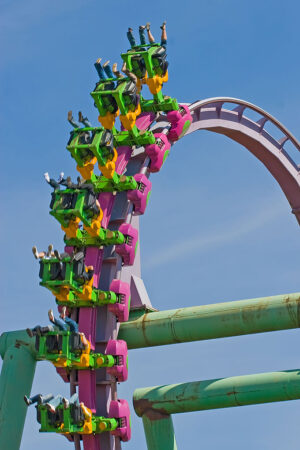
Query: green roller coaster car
{"points": [[73, 419]]}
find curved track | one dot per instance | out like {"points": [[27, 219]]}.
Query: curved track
{"points": [[95, 389], [210, 115]]}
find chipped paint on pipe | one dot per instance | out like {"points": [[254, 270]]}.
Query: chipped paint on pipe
{"points": [[259, 315], [219, 393]]}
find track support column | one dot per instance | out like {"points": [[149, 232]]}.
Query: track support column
{"points": [[15, 381], [159, 431]]}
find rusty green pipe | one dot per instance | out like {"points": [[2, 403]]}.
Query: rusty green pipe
{"points": [[219, 393], [159, 432], [280, 312], [16, 380]]}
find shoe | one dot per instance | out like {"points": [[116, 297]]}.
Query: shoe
{"points": [[163, 25], [47, 178], [57, 254], [130, 30], [50, 408], [66, 403], [70, 115], [27, 400], [35, 252], [106, 63], [61, 176], [148, 26], [142, 27], [51, 315], [98, 61], [50, 250], [30, 334], [80, 116]]}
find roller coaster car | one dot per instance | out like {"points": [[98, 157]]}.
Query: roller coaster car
{"points": [[70, 206], [181, 121], [63, 277], [125, 95], [66, 349], [98, 147], [80, 420], [154, 58]]}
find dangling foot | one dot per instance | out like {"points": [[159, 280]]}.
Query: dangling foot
{"points": [[50, 408], [148, 26], [98, 60], [50, 250], [80, 117], [130, 30], [46, 176], [61, 176], [106, 63], [51, 315], [35, 252], [27, 400], [70, 116], [57, 254], [65, 403], [163, 26], [142, 27]]}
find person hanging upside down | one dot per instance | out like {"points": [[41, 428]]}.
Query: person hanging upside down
{"points": [[163, 39]]}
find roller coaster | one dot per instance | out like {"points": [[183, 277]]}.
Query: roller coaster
{"points": [[96, 282]]}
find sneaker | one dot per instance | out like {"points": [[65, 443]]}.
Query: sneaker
{"points": [[27, 400], [51, 315], [56, 254], [65, 403], [50, 250], [148, 26], [35, 252], [30, 334], [46, 176], [142, 27], [106, 63], [50, 408], [130, 30], [61, 176], [98, 60], [163, 25], [70, 115]]}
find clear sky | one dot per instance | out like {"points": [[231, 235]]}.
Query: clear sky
{"points": [[211, 191]]}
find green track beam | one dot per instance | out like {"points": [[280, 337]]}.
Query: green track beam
{"points": [[219, 320], [16, 380], [218, 393], [159, 431]]}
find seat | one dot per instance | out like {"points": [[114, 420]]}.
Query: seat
{"points": [[75, 343], [57, 271], [138, 66], [130, 94], [76, 414], [53, 343], [159, 61]]}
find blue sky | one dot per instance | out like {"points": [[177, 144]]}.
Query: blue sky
{"points": [[217, 227]]}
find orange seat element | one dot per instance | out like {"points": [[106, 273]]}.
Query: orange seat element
{"points": [[63, 295], [87, 426], [71, 229], [95, 227], [87, 170], [108, 120], [128, 120], [155, 83], [87, 290], [140, 82], [109, 168]]}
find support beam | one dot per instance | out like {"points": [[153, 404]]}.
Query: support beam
{"points": [[280, 312], [159, 432], [15, 381], [219, 393]]}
